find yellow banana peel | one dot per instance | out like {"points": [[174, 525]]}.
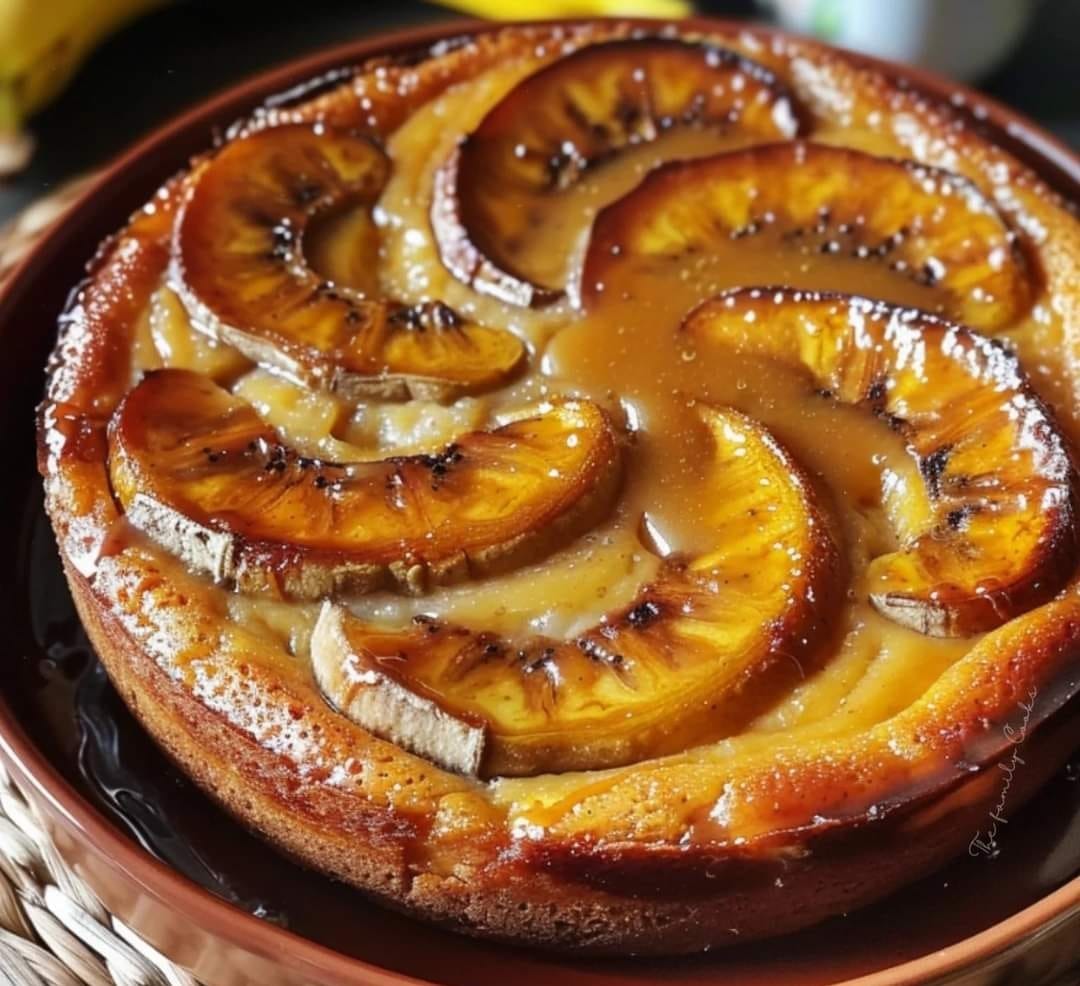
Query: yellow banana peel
{"points": [[42, 43], [509, 10]]}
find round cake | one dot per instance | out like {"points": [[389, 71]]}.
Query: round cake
{"points": [[608, 486]]}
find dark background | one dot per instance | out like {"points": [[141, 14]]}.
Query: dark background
{"points": [[175, 56]]}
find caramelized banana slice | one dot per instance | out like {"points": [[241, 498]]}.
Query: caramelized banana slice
{"points": [[927, 224], [997, 470], [693, 658], [571, 115], [240, 269], [196, 469]]}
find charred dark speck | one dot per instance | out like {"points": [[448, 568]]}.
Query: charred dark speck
{"points": [[875, 393], [556, 165], [957, 519], [426, 315], [893, 421], [305, 191], [629, 114], [538, 663], [643, 614], [563, 168], [596, 652], [429, 623], [283, 239], [441, 463], [928, 275], [933, 468], [824, 219], [276, 458]]}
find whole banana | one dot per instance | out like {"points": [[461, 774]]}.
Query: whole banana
{"points": [[41, 46]]}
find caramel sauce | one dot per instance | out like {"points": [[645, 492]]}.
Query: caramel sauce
{"points": [[631, 351], [628, 355]]}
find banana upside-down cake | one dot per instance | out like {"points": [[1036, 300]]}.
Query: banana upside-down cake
{"points": [[601, 486]]}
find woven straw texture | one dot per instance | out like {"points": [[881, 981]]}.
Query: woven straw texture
{"points": [[20, 234]]}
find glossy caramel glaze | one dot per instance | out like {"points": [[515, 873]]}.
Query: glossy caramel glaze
{"points": [[839, 748], [566, 119]]}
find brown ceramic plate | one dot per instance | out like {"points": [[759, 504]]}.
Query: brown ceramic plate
{"points": [[217, 900]]}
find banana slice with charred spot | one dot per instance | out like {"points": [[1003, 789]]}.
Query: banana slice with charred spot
{"points": [[997, 470], [196, 469], [572, 115], [696, 655], [926, 224], [240, 269]]}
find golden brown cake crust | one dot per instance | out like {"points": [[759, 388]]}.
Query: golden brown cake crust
{"points": [[599, 863]]}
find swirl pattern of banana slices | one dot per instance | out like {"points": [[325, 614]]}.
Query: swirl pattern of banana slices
{"points": [[709, 642]]}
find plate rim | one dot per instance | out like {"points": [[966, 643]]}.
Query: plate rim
{"points": [[28, 763]]}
